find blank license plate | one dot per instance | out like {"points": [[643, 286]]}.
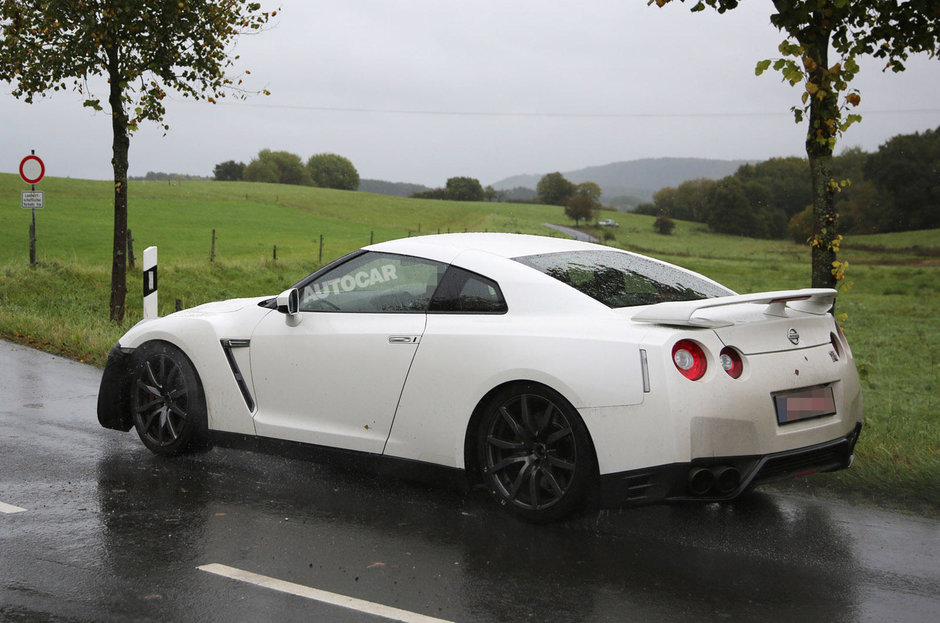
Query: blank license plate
{"points": [[803, 404]]}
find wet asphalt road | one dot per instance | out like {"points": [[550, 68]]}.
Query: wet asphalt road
{"points": [[113, 533]]}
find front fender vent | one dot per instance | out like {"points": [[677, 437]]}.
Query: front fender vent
{"points": [[227, 346]]}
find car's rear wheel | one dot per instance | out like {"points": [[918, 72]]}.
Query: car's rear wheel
{"points": [[535, 453], [168, 402]]}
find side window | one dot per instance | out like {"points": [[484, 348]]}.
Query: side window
{"points": [[469, 293], [374, 283]]}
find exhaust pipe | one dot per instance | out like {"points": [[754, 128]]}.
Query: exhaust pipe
{"points": [[701, 480], [727, 479]]}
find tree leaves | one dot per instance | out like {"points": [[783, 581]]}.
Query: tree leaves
{"points": [[145, 46]]}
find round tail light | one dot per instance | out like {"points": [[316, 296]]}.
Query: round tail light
{"points": [[689, 359], [731, 362]]}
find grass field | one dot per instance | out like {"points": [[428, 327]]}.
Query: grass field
{"points": [[62, 304]]}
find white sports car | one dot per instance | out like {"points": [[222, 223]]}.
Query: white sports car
{"points": [[555, 373]]}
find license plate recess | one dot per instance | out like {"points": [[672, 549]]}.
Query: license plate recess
{"points": [[796, 405]]}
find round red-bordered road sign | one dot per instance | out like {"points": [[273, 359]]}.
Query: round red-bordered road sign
{"points": [[32, 169]]}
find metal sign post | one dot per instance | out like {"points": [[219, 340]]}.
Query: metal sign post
{"points": [[32, 169]]}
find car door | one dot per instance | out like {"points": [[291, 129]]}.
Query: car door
{"points": [[333, 374]]}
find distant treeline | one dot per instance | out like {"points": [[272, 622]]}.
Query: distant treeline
{"points": [[153, 176], [394, 189], [283, 167], [897, 188]]}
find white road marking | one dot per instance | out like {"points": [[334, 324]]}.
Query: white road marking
{"points": [[10, 509], [319, 595]]}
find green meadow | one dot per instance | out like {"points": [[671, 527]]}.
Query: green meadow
{"points": [[61, 305]]}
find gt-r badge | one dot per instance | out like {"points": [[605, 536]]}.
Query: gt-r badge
{"points": [[793, 336]]}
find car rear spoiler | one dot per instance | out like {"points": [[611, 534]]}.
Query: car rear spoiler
{"points": [[809, 300]]}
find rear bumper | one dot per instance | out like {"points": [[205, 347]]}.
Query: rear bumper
{"points": [[723, 478]]}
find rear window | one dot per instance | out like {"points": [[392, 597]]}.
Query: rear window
{"points": [[622, 280]]}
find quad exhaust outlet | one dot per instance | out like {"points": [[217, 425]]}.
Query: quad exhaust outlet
{"points": [[718, 480]]}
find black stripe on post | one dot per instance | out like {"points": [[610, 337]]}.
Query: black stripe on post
{"points": [[150, 281]]}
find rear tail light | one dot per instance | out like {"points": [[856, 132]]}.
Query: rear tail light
{"points": [[839, 336], [731, 362], [689, 359], [836, 345]]}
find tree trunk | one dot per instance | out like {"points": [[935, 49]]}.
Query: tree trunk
{"points": [[820, 141], [823, 220], [119, 149]]}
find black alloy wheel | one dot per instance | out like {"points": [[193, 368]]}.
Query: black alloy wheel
{"points": [[535, 453], [168, 402]]}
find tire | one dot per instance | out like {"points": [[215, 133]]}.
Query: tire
{"points": [[168, 402], [535, 453]]}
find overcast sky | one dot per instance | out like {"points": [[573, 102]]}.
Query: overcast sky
{"points": [[422, 90]]}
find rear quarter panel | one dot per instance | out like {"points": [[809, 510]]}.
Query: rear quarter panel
{"points": [[592, 362]]}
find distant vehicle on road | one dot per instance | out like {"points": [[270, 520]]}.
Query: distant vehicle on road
{"points": [[609, 223], [550, 371]]}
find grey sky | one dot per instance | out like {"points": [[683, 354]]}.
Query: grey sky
{"points": [[422, 90]]}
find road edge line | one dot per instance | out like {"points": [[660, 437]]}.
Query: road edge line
{"points": [[317, 594]]}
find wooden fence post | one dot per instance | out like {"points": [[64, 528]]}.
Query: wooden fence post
{"points": [[130, 249]]}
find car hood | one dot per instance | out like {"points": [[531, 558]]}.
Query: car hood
{"points": [[220, 307]]}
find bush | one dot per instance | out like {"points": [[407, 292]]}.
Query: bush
{"points": [[664, 225]]}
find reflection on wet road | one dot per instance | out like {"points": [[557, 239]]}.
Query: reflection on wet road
{"points": [[113, 533]]}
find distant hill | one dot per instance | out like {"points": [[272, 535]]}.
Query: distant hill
{"points": [[395, 189], [637, 178]]}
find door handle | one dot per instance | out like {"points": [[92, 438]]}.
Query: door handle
{"points": [[404, 339]]}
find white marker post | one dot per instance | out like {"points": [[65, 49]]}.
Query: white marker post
{"points": [[150, 282]]}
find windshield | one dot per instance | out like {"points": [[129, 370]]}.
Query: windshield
{"points": [[623, 280]]}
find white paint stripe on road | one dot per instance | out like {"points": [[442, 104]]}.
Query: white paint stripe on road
{"points": [[319, 595], [10, 509]]}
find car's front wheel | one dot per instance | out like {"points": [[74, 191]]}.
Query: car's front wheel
{"points": [[535, 453], [169, 406]]}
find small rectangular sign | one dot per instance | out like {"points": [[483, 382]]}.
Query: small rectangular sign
{"points": [[32, 200]]}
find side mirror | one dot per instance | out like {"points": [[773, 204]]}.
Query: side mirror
{"points": [[288, 302]]}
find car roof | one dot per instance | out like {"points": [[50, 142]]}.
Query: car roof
{"points": [[445, 247]]}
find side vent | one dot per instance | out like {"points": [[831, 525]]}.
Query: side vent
{"points": [[645, 367], [227, 346]]}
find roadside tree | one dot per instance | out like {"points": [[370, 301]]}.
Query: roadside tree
{"points": [[823, 40], [143, 49], [592, 192], [579, 207]]}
